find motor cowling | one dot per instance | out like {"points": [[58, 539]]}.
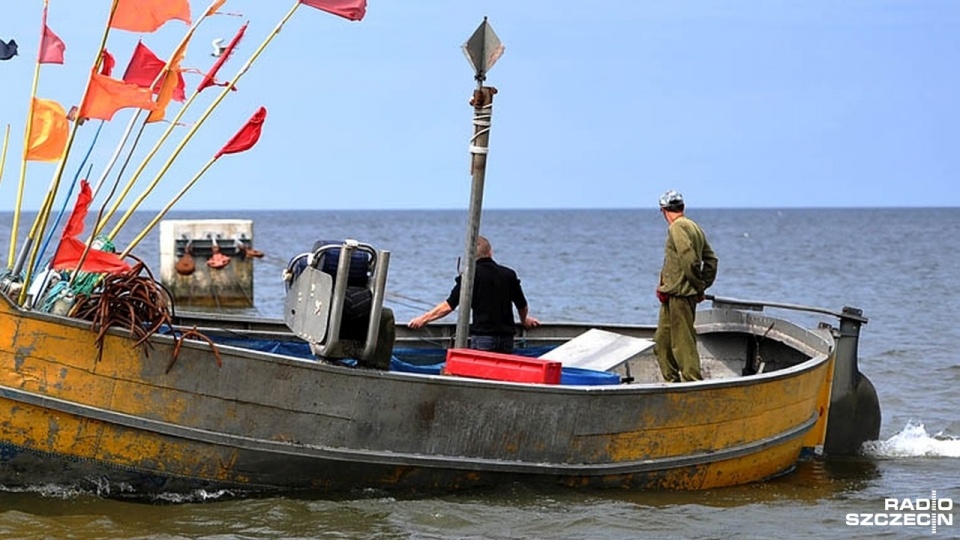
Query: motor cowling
{"points": [[335, 302]]}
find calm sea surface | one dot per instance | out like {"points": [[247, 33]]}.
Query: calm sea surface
{"points": [[900, 266]]}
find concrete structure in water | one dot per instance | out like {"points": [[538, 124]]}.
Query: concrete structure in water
{"points": [[208, 262]]}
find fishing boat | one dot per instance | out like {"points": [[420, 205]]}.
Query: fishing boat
{"points": [[105, 387], [308, 404]]}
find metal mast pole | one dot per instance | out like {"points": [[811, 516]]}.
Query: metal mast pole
{"points": [[482, 50]]}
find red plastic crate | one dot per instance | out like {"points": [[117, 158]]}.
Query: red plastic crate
{"points": [[501, 367]]}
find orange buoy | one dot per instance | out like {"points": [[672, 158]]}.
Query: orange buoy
{"points": [[185, 265], [217, 260], [249, 252]]}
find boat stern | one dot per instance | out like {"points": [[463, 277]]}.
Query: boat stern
{"points": [[854, 405]]}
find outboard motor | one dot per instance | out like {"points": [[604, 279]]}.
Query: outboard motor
{"points": [[335, 302]]}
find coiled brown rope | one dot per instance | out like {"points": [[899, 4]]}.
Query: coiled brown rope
{"points": [[135, 301]]}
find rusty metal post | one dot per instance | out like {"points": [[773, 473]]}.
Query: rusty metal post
{"points": [[482, 113]]}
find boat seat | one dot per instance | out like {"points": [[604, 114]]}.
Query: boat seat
{"points": [[325, 302], [599, 350]]}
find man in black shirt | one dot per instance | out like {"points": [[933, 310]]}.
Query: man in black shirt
{"points": [[496, 289]]}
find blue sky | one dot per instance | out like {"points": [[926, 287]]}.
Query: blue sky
{"points": [[808, 103]]}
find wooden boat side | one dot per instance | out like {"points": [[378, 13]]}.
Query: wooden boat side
{"points": [[266, 421], [116, 455]]}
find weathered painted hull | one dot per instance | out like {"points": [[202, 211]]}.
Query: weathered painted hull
{"points": [[270, 422]]}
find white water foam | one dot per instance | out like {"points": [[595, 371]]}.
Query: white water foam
{"points": [[914, 441], [56, 491], [52, 491], [199, 495]]}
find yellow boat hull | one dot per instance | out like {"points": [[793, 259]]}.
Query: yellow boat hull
{"points": [[265, 421]]}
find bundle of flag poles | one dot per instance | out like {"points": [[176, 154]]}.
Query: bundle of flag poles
{"points": [[148, 85]]}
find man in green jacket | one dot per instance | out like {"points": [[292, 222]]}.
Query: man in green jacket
{"points": [[689, 268]]}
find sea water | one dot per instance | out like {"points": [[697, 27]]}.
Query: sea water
{"points": [[900, 266]]}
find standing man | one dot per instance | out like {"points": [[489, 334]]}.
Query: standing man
{"points": [[689, 268], [496, 289]]}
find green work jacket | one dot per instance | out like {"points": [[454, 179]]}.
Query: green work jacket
{"points": [[689, 263]]}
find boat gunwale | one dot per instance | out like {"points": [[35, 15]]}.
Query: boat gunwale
{"points": [[778, 334]]}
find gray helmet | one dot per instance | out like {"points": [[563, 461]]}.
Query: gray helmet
{"points": [[671, 200]]}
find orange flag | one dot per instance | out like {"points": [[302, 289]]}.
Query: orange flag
{"points": [[168, 86], [106, 96], [148, 15], [48, 131]]}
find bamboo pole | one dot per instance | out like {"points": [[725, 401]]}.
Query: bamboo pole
{"points": [[143, 164], [160, 215], [116, 153], [193, 129], [66, 200], [98, 227], [26, 142], [101, 218], [3, 153], [113, 189], [41, 221], [211, 9]]}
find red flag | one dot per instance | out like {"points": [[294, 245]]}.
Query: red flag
{"points": [[51, 46], [247, 136], [148, 15], [348, 9], [143, 69], [70, 249], [210, 78], [107, 63], [74, 226], [106, 96]]}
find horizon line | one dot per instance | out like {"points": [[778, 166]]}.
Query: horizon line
{"points": [[526, 209]]}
